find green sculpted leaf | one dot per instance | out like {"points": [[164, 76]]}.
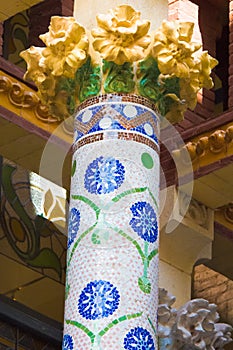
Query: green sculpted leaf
{"points": [[119, 78], [148, 74], [65, 91], [88, 80], [46, 258], [144, 285], [157, 87]]}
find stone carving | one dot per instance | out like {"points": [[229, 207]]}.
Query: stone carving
{"points": [[196, 211], [222, 336], [194, 326], [228, 212], [166, 314]]}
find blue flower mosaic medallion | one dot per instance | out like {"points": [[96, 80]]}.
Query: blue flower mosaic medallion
{"points": [[104, 175], [98, 299], [68, 343], [144, 221], [139, 339], [74, 222]]}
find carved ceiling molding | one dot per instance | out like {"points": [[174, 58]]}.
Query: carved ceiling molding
{"points": [[217, 142], [224, 216], [228, 212], [197, 212], [207, 149], [20, 96]]}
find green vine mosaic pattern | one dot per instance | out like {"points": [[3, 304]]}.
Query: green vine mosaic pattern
{"points": [[100, 298], [146, 258]]}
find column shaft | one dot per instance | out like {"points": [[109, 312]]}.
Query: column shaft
{"points": [[112, 265]]}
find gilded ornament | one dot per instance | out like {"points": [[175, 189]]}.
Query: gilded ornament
{"points": [[217, 141], [191, 147], [229, 134], [173, 48], [178, 56], [121, 36], [202, 145], [66, 46], [38, 72], [169, 71], [204, 66], [21, 97]]}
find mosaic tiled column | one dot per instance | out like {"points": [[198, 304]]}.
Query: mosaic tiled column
{"points": [[112, 263], [112, 258]]}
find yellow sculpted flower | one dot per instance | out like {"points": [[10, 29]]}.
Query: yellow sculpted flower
{"points": [[173, 48], [189, 88], [121, 36], [207, 63], [67, 45], [35, 64], [199, 77], [38, 73]]}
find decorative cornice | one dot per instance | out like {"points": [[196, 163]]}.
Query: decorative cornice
{"points": [[217, 142], [21, 96], [208, 148]]}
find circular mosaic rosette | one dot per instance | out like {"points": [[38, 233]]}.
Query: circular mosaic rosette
{"points": [[98, 299], [73, 226], [68, 343], [139, 338], [144, 221], [104, 175]]}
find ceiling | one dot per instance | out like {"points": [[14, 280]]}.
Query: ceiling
{"points": [[10, 7], [215, 189]]}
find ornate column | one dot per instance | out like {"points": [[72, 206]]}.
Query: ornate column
{"points": [[113, 226], [118, 82]]}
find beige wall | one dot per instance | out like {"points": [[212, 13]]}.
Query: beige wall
{"points": [[176, 281], [85, 11]]}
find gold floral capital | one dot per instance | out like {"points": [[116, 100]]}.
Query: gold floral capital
{"points": [[119, 56]]}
